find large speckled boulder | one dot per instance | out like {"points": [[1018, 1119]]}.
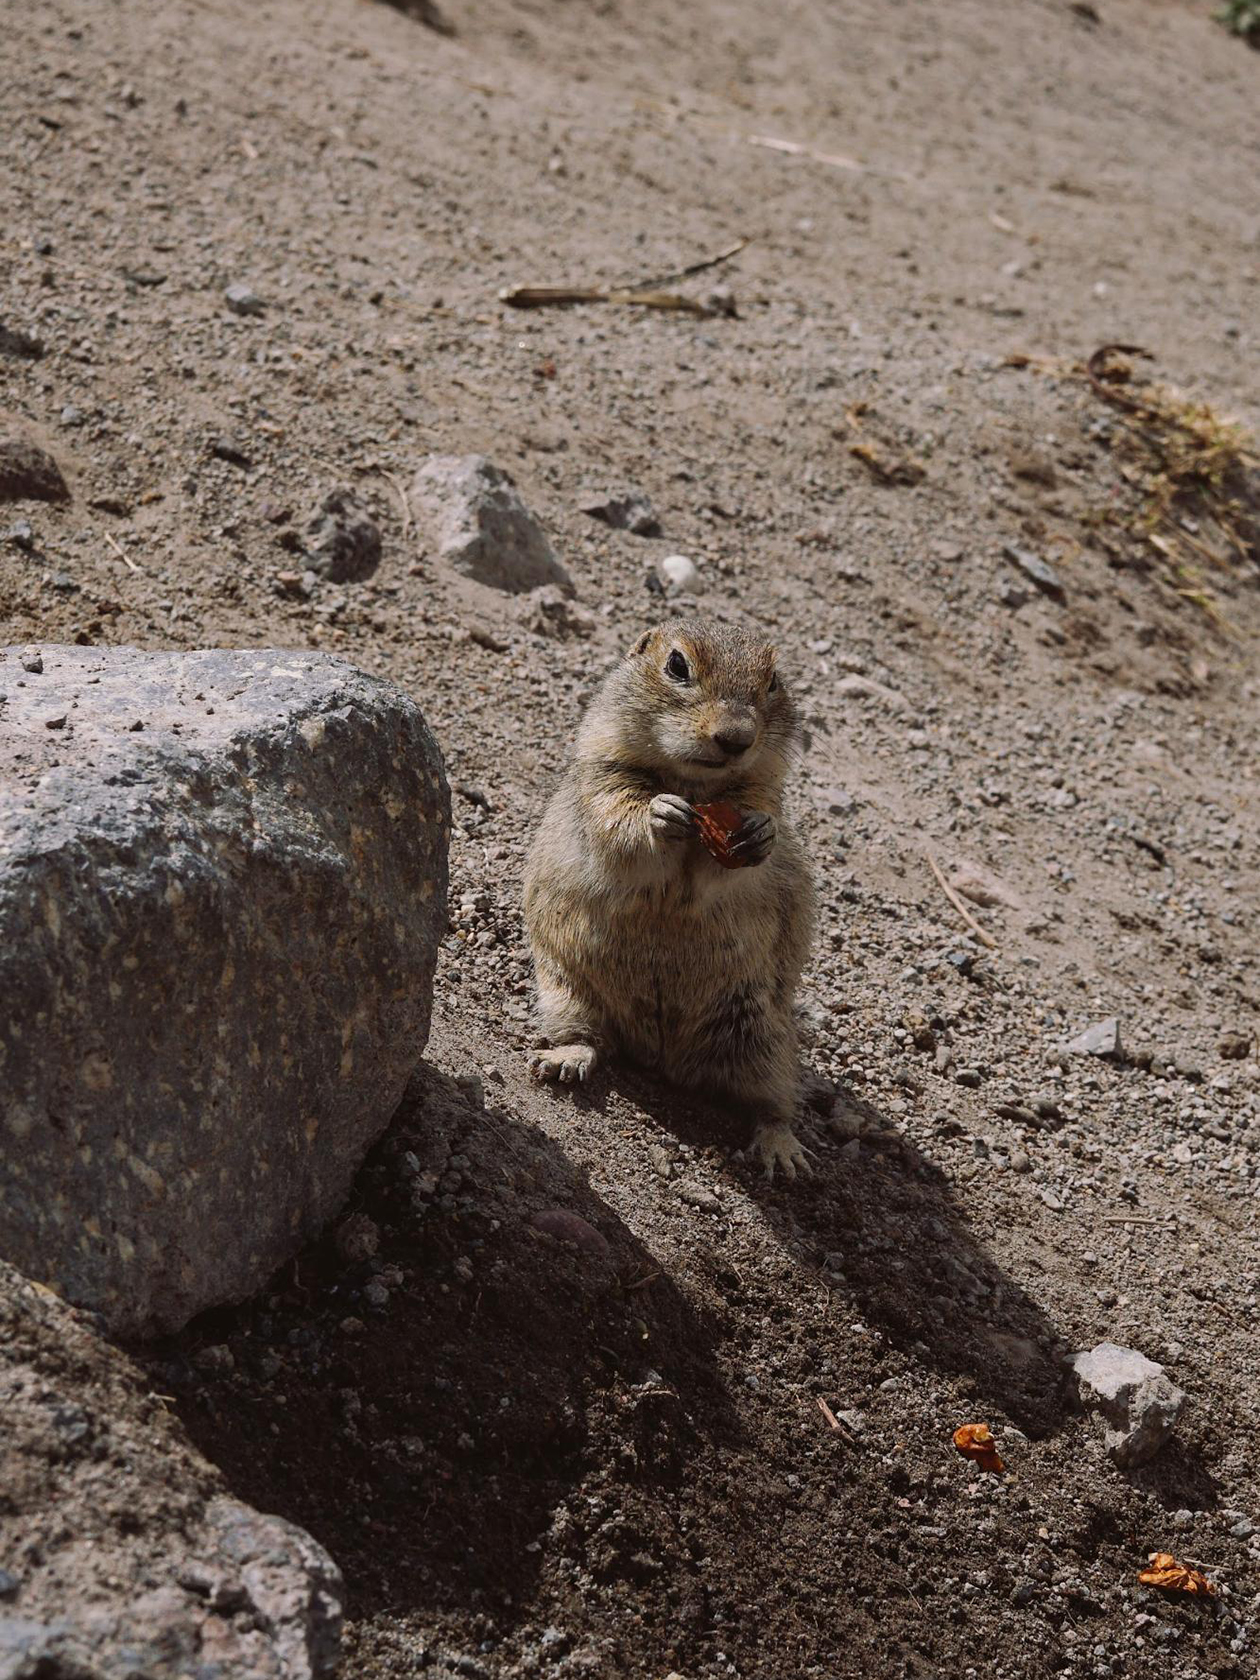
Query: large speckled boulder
{"points": [[121, 1553], [222, 888]]}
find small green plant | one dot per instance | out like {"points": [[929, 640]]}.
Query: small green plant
{"points": [[1241, 17]]}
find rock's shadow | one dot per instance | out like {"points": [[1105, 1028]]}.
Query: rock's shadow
{"points": [[430, 1440], [1178, 1478], [880, 1227]]}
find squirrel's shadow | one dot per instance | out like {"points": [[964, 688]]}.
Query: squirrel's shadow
{"points": [[880, 1226]]}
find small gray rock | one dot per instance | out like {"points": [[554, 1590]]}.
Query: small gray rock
{"points": [[570, 1227], [21, 535], [678, 575], [482, 528], [243, 300], [1102, 1039], [696, 1196], [19, 345], [215, 1360], [357, 1239], [29, 473], [839, 803], [343, 542], [818, 1092], [623, 510], [549, 612], [1037, 571], [1138, 1403]]}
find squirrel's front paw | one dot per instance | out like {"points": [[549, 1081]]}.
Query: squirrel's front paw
{"points": [[671, 817], [753, 840]]}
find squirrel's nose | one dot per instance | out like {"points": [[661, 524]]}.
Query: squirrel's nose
{"points": [[735, 738]]}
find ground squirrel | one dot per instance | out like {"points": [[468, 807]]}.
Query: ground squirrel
{"points": [[643, 943]]}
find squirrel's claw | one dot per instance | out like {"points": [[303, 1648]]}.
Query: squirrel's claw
{"points": [[754, 838], [671, 817], [778, 1146], [563, 1064]]}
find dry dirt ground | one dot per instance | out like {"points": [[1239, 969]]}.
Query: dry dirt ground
{"points": [[608, 1457]]}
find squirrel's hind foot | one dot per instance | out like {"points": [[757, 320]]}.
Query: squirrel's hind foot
{"points": [[777, 1145]]}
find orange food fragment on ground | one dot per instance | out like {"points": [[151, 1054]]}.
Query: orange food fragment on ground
{"points": [[718, 823], [1165, 1571], [975, 1440]]}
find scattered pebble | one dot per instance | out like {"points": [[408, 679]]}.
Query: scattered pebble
{"points": [[29, 473], [678, 575], [1037, 571], [357, 1239], [243, 300], [343, 543], [1103, 1039], [570, 1227], [623, 510], [1138, 1402]]}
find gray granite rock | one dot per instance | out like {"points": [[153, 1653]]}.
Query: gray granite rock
{"points": [[343, 542], [1102, 1039], [1037, 571], [222, 888], [481, 526], [1137, 1402], [29, 473], [624, 509], [128, 1557]]}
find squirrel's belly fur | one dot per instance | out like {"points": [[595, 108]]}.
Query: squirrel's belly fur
{"points": [[684, 966]]}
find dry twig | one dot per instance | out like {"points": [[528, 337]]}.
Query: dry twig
{"points": [[540, 297], [722, 256], [952, 896], [121, 553], [833, 1420], [400, 490]]}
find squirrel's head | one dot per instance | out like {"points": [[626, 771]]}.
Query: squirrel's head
{"points": [[701, 701]]}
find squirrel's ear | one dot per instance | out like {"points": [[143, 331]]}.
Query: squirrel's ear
{"points": [[642, 642]]}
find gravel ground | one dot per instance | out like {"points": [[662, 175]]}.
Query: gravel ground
{"points": [[261, 248]]}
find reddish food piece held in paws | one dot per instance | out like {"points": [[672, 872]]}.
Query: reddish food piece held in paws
{"points": [[718, 825]]}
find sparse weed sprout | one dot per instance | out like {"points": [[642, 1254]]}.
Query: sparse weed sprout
{"points": [[1242, 17]]}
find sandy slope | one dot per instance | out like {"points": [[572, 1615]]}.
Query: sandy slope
{"points": [[660, 1489]]}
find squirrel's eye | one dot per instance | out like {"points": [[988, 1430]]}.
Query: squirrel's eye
{"points": [[774, 682], [676, 666]]}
